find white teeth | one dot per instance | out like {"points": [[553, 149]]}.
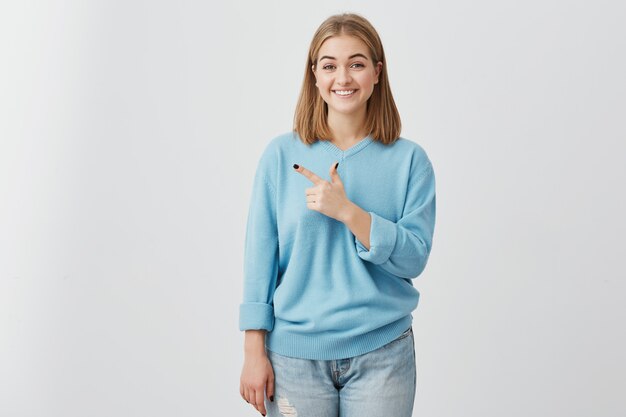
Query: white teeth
{"points": [[344, 93]]}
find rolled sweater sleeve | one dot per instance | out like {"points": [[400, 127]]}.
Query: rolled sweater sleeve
{"points": [[260, 256], [402, 248]]}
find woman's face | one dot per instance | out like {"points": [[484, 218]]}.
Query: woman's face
{"points": [[344, 64]]}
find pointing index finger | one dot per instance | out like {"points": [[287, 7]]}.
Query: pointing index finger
{"points": [[310, 175]]}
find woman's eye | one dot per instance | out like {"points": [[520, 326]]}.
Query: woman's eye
{"points": [[329, 66]]}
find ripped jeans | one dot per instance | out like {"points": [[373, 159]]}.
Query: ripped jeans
{"points": [[380, 383]]}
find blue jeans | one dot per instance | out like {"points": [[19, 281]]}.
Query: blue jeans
{"points": [[380, 383]]}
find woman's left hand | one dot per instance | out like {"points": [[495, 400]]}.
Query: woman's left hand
{"points": [[328, 198]]}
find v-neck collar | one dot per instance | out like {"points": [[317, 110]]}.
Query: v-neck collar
{"points": [[343, 154]]}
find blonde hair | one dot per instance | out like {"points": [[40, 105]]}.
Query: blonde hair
{"points": [[382, 119]]}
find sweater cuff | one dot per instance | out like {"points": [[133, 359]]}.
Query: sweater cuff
{"points": [[383, 235], [256, 316]]}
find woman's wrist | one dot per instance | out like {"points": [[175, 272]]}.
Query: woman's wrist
{"points": [[359, 222], [254, 342], [350, 211]]}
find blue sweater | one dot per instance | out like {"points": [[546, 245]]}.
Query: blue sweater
{"points": [[307, 279]]}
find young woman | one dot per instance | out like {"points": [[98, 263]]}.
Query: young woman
{"points": [[329, 259]]}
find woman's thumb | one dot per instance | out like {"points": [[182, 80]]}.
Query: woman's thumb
{"points": [[269, 388], [334, 175]]}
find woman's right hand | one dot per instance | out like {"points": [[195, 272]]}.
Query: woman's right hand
{"points": [[257, 375]]}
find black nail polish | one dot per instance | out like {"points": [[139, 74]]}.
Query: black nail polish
{"points": [[272, 398], [337, 165], [296, 166]]}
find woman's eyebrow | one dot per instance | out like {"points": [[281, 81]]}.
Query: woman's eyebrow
{"points": [[350, 57]]}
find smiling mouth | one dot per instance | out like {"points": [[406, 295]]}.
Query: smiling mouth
{"points": [[344, 93]]}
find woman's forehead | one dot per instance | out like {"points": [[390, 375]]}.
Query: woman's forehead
{"points": [[342, 47]]}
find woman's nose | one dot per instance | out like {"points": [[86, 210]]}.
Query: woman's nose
{"points": [[343, 76]]}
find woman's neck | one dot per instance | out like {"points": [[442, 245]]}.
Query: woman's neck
{"points": [[347, 129]]}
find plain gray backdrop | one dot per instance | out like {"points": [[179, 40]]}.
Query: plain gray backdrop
{"points": [[129, 136]]}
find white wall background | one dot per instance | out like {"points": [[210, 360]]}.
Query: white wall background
{"points": [[129, 136]]}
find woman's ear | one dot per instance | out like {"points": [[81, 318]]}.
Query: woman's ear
{"points": [[379, 68]]}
